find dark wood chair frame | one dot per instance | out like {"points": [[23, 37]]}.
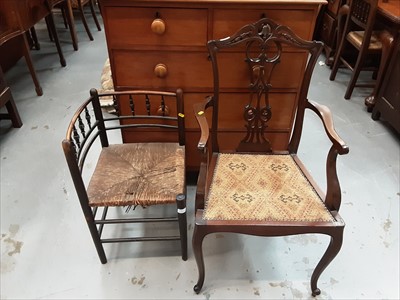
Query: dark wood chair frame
{"points": [[82, 133], [262, 31], [360, 15], [80, 5]]}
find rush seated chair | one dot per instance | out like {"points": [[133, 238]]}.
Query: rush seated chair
{"points": [[251, 180], [146, 173]]}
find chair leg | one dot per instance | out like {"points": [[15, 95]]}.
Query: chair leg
{"points": [[387, 42], [84, 21], [181, 205], [330, 253], [94, 15], [69, 16], [87, 211], [13, 113], [29, 62], [53, 31], [34, 38], [355, 74], [336, 61], [197, 243]]}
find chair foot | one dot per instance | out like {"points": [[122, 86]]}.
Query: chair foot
{"points": [[330, 253], [198, 237], [370, 102], [39, 91], [316, 292], [182, 220], [375, 115], [197, 289]]}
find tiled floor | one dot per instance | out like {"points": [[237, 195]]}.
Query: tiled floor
{"points": [[47, 252]]}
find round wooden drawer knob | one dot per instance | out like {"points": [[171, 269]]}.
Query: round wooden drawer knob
{"points": [[158, 26], [160, 70]]}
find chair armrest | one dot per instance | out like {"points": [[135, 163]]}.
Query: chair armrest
{"points": [[199, 112], [333, 196], [325, 115]]}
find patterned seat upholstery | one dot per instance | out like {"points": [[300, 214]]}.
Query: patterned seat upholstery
{"points": [[262, 188], [251, 180]]}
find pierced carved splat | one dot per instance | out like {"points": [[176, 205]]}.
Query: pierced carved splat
{"points": [[262, 55]]}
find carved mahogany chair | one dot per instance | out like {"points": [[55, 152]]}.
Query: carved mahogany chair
{"points": [[251, 180], [128, 176], [370, 45]]}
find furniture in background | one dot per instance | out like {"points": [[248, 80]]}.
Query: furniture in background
{"points": [[12, 35], [7, 100], [17, 17], [328, 27], [68, 16], [254, 186], [79, 5], [388, 18], [388, 98], [162, 45], [372, 46], [129, 175]]}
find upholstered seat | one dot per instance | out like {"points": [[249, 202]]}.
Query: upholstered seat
{"points": [[251, 180], [154, 175], [262, 188]]}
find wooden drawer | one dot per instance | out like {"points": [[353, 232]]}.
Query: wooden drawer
{"points": [[327, 29], [132, 26], [136, 69], [234, 72], [226, 22]]}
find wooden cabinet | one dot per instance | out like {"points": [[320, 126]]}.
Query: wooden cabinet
{"points": [[162, 45], [388, 98], [327, 29]]}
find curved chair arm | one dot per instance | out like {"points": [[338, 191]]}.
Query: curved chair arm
{"points": [[333, 193], [199, 112], [325, 114]]}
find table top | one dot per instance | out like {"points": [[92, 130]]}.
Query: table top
{"points": [[390, 10]]}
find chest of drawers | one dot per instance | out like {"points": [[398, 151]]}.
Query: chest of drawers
{"points": [[162, 45]]}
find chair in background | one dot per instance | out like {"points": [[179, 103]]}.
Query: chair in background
{"points": [[358, 33], [7, 100], [68, 17], [147, 173], [12, 31], [251, 180], [79, 5]]}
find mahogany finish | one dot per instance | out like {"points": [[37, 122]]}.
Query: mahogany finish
{"points": [[17, 17], [173, 33], [260, 115]]}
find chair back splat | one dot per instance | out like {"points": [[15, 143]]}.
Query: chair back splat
{"points": [[251, 180], [146, 173]]}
